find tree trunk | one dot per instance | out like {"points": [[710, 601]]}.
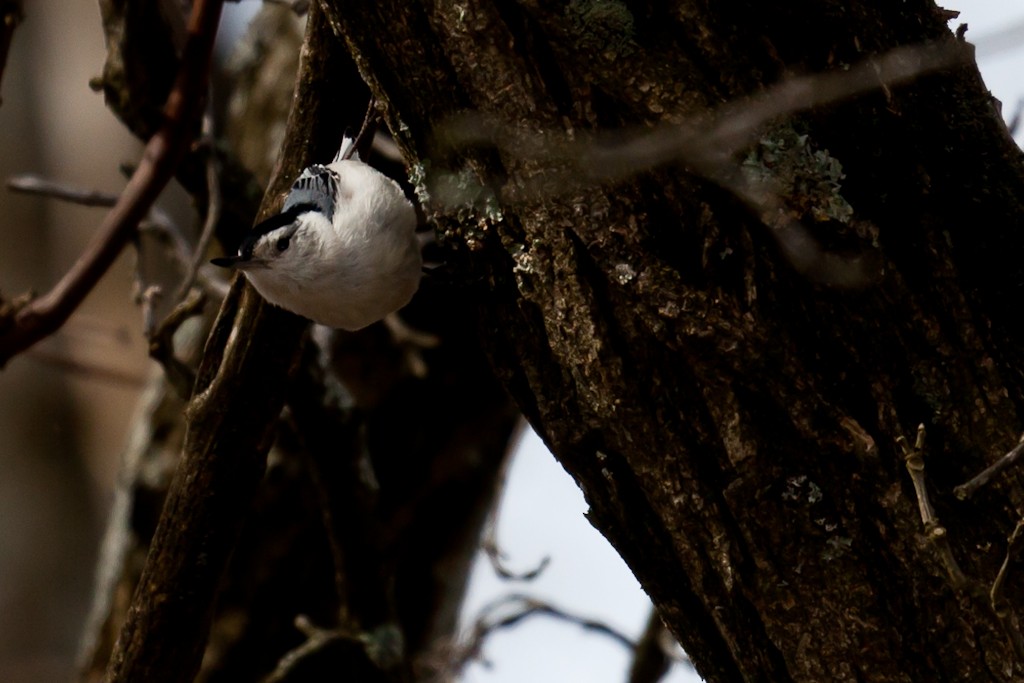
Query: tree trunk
{"points": [[730, 411]]}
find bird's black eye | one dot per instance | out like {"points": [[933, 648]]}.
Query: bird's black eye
{"points": [[282, 244]]}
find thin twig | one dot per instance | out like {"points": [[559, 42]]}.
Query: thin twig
{"points": [[999, 605], [10, 16], [364, 138], [29, 183], [316, 639], [1014, 123], [935, 532], [93, 371], [509, 611], [163, 153], [161, 343], [489, 545], [147, 298], [939, 540], [968, 489], [383, 647], [213, 208]]}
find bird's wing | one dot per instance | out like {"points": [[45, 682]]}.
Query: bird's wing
{"points": [[317, 185]]}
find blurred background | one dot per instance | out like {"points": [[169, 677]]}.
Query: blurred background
{"points": [[66, 405]]}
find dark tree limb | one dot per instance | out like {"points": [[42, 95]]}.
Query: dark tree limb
{"points": [[163, 153], [437, 442], [224, 455], [650, 660]]}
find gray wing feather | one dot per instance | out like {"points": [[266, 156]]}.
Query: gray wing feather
{"points": [[318, 185]]}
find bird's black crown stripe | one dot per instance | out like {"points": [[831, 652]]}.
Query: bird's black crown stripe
{"points": [[286, 217]]}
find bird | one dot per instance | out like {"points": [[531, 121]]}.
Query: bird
{"points": [[342, 252]]}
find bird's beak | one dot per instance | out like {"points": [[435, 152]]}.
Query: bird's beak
{"points": [[238, 262]]}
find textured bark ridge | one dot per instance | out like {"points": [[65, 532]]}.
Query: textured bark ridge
{"points": [[731, 418]]}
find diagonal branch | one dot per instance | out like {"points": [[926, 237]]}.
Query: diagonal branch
{"points": [[10, 17], [249, 353], [163, 153]]}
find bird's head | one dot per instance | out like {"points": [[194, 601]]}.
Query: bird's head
{"points": [[282, 243]]}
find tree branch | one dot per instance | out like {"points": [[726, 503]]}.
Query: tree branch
{"points": [[510, 610], [650, 661], [250, 352], [10, 17], [163, 153]]}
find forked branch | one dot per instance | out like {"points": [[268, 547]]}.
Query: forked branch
{"points": [[42, 316]]}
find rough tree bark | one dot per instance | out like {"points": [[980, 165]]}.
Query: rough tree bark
{"points": [[732, 421]]}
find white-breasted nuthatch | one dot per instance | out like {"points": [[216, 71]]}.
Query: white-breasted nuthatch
{"points": [[343, 251]]}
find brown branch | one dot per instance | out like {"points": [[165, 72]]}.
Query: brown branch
{"points": [[156, 221], [10, 16], [189, 258], [998, 600], [250, 352], [650, 660], [161, 343], [37, 185], [968, 489], [213, 210], [317, 639], [163, 153], [913, 459]]}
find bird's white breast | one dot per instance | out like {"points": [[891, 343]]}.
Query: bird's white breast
{"points": [[358, 268]]}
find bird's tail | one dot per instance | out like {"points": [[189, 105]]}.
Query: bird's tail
{"points": [[347, 149]]}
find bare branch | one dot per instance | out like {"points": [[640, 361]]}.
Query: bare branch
{"points": [[161, 343], [997, 599], [512, 609], [213, 209], [161, 157], [968, 489], [37, 185], [251, 349], [157, 220], [913, 458], [489, 545], [10, 17], [316, 639]]}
